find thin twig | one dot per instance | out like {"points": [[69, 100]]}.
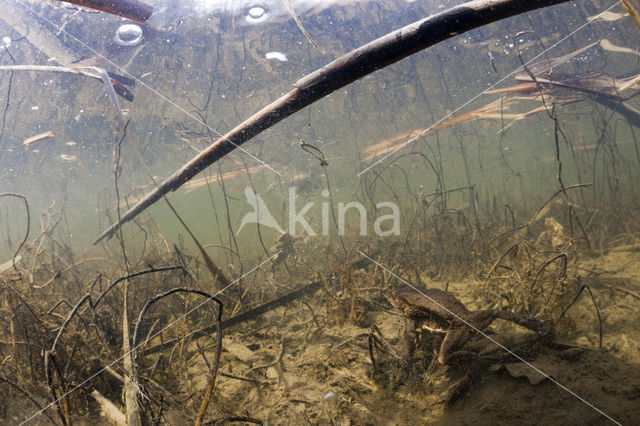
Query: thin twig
{"points": [[26, 234], [299, 24], [29, 396]]}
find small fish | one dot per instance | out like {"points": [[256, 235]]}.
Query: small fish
{"points": [[68, 157]]}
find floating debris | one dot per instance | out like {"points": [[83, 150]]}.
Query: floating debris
{"points": [[607, 16], [607, 45], [276, 55], [391, 144], [38, 138], [203, 181], [131, 9]]}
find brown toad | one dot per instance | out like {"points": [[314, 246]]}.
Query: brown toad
{"points": [[437, 310]]}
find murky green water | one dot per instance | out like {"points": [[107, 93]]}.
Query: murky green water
{"points": [[505, 147]]}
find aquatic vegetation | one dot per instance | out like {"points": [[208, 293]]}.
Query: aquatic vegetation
{"points": [[326, 235]]}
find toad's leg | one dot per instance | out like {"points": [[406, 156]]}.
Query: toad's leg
{"points": [[455, 339], [533, 324], [410, 339]]}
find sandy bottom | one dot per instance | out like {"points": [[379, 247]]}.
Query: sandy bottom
{"points": [[309, 363], [319, 371]]}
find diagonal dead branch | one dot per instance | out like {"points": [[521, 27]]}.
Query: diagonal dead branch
{"points": [[348, 68]]}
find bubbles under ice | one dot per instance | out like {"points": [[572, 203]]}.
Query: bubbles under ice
{"points": [[256, 14], [128, 35]]}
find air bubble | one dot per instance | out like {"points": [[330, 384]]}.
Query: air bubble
{"points": [[128, 35], [256, 14]]}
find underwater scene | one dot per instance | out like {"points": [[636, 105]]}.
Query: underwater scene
{"points": [[356, 212]]}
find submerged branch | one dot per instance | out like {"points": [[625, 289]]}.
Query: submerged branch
{"points": [[131, 9], [348, 68], [26, 234]]}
